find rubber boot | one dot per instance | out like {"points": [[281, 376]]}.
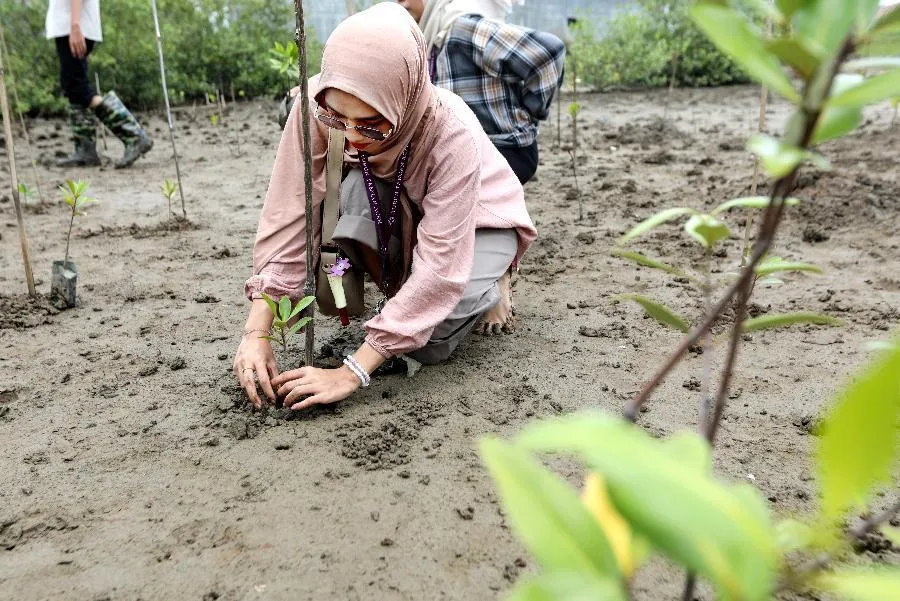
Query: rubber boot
{"points": [[122, 123], [84, 136]]}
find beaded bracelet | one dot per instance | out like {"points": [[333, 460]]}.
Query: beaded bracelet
{"points": [[364, 378]]}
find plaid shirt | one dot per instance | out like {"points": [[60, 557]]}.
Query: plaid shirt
{"points": [[506, 74]]}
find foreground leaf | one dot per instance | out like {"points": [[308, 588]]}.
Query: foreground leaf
{"points": [[777, 265], [721, 532], [596, 500], [883, 86], [301, 305], [795, 53], [731, 33], [657, 311], [547, 514], [780, 320], [647, 261], [751, 202], [863, 585], [651, 222], [706, 229], [568, 586], [777, 158], [857, 449], [888, 22], [273, 306]]}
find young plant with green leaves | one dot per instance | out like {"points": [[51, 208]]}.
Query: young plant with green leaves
{"points": [[708, 230], [283, 313], [75, 195], [26, 192], [283, 58], [646, 496], [168, 189], [660, 494]]}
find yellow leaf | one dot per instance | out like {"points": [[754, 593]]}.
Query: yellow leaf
{"points": [[617, 531]]}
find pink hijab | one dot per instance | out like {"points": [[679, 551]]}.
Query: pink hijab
{"points": [[399, 89]]}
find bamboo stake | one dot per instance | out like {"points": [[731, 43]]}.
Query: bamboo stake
{"points": [[97, 90], [350, 8], [310, 288], [11, 157], [162, 74]]}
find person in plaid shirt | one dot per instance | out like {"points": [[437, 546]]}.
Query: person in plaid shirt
{"points": [[506, 74]]}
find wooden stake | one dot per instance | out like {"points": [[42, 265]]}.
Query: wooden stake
{"points": [[162, 74], [11, 156], [101, 128], [351, 8], [310, 288]]}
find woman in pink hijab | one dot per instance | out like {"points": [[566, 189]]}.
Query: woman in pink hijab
{"points": [[474, 227]]}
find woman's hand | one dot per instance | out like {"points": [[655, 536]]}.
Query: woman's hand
{"points": [[319, 386], [254, 363], [77, 45]]}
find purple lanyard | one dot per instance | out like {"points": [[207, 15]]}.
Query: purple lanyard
{"points": [[384, 229]]}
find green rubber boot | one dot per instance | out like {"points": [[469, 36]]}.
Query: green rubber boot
{"points": [[84, 134], [122, 123]]}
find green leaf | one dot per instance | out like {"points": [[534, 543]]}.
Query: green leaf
{"points": [[888, 22], [777, 158], [721, 532], [865, 14], [751, 202], [872, 62], [835, 122], [568, 586], [657, 311], [770, 282], [284, 308], [651, 222], [789, 7], [881, 584], [793, 52], [271, 339], [273, 306], [300, 323], [646, 261], [859, 442], [826, 22], [547, 514], [689, 450], [776, 265], [732, 34], [706, 229], [780, 320], [883, 86], [791, 535], [301, 305]]}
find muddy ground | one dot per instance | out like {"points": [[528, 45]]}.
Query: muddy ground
{"points": [[131, 469]]}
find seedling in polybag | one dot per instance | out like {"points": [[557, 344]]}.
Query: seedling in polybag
{"points": [[75, 195]]}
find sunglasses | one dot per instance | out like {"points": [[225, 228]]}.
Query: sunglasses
{"points": [[369, 132]]}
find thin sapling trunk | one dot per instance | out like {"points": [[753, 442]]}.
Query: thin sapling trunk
{"points": [[162, 74], [310, 288]]}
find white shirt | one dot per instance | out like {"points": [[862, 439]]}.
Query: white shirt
{"points": [[59, 15]]}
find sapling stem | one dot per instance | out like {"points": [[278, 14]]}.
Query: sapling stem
{"points": [[559, 118], [707, 343], [310, 286], [577, 188], [11, 157], [165, 87]]}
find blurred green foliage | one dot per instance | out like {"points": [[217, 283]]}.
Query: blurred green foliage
{"points": [[639, 45], [208, 45]]}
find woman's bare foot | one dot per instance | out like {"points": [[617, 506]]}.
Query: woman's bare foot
{"points": [[501, 318]]}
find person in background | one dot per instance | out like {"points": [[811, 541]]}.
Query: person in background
{"points": [[507, 74], [75, 26]]}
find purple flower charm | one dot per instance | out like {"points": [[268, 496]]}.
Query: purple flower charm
{"points": [[339, 268]]}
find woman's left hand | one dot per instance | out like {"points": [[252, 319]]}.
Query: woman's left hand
{"points": [[319, 386]]}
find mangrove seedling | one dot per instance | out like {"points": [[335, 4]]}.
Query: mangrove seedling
{"points": [[283, 311], [75, 195], [169, 188], [26, 193]]}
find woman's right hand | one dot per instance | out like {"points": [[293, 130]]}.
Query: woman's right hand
{"points": [[77, 45], [255, 366]]}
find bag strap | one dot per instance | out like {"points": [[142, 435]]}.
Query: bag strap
{"points": [[334, 167]]}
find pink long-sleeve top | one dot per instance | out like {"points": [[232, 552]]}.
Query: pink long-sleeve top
{"points": [[460, 183]]}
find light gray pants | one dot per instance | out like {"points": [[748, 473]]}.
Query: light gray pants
{"points": [[494, 253]]}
